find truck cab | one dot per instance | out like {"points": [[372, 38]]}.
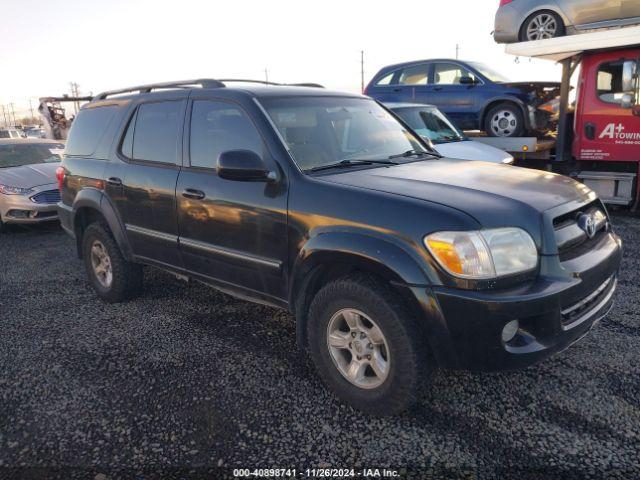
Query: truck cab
{"points": [[607, 121], [601, 148]]}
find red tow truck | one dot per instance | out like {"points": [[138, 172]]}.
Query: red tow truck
{"points": [[598, 140]]}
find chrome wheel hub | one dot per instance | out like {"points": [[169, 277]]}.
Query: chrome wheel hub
{"points": [[358, 348], [101, 264], [503, 123], [542, 26]]}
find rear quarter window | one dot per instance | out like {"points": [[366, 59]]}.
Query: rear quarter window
{"points": [[88, 129]]}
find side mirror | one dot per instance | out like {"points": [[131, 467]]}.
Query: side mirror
{"points": [[466, 80], [627, 100], [629, 75], [243, 166]]}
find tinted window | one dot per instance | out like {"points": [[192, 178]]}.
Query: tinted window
{"points": [[217, 127], [127, 142], [156, 132], [450, 74], [417, 75], [88, 128]]}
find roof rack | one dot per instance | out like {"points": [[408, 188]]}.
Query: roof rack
{"points": [[203, 82], [265, 82]]}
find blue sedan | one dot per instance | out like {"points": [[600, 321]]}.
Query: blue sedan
{"points": [[472, 94]]}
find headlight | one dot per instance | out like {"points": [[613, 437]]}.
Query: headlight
{"points": [[483, 254], [9, 190]]}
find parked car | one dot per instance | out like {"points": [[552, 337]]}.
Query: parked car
{"points": [[473, 95], [432, 125], [11, 133], [392, 259], [28, 187], [35, 133], [525, 20]]}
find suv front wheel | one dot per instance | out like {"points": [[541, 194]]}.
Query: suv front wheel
{"points": [[365, 346], [112, 277]]}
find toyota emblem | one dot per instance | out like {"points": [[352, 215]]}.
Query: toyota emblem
{"points": [[587, 224]]}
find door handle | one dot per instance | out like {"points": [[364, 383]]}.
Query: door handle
{"points": [[437, 88], [590, 131], [114, 181], [397, 89], [193, 193]]}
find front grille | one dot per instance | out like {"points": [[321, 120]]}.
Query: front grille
{"points": [[571, 239], [48, 196], [579, 311]]}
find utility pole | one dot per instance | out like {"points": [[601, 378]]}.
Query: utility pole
{"points": [[31, 108], [457, 50], [361, 71], [75, 92], [4, 115], [266, 75], [13, 112]]}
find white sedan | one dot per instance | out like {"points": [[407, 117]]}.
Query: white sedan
{"points": [[433, 125]]}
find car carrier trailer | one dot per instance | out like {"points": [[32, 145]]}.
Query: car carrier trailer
{"points": [[598, 144]]}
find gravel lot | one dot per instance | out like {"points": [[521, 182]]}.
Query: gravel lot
{"points": [[185, 379]]}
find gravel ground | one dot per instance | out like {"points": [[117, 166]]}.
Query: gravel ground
{"points": [[185, 379]]}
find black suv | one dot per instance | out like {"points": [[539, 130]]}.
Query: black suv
{"points": [[392, 259]]}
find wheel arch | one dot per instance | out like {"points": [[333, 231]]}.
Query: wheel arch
{"points": [[331, 256], [505, 99], [92, 205], [546, 8]]}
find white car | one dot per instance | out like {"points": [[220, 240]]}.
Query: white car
{"points": [[434, 126]]}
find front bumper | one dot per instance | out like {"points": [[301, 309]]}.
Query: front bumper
{"points": [[23, 209], [553, 311]]}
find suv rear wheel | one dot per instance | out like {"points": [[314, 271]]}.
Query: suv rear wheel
{"points": [[365, 346], [504, 120], [112, 277]]}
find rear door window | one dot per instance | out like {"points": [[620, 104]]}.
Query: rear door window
{"points": [[157, 132], [88, 128], [416, 75]]}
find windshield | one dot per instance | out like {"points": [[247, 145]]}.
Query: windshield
{"points": [[322, 131], [430, 123], [489, 72], [15, 155]]}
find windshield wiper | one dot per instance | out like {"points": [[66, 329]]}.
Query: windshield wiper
{"points": [[350, 163], [415, 153]]}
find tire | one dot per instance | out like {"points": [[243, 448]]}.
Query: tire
{"points": [[405, 347], [504, 120], [125, 280], [542, 25]]}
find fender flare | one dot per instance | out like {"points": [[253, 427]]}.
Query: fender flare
{"points": [[384, 258], [98, 201]]}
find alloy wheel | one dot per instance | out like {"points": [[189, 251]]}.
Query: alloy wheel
{"points": [[542, 26], [358, 348], [101, 263]]}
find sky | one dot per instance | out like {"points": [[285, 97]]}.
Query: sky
{"points": [[104, 45]]}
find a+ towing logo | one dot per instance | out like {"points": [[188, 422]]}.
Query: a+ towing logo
{"points": [[617, 132]]}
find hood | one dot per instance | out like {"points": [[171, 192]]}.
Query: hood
{"points": [[544, 91], [470, 150], [28, 176], [495, 195]]}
